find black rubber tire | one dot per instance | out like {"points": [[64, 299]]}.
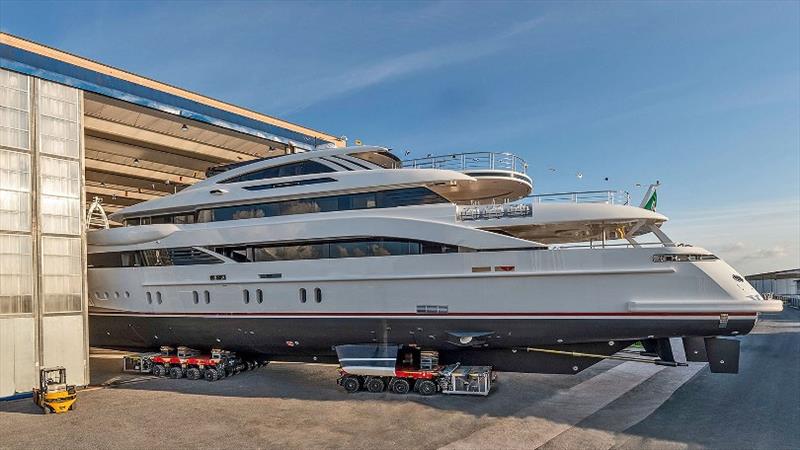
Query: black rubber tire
{"points": [[211, 374], [46, 409], [159, 370], [375, 385], [351, 384], [400, 386], [175, 372], [193, 373], [221, 372], [72, 407], [426, 387]]}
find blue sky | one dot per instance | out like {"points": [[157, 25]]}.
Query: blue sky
{"points": [[703, 96]]}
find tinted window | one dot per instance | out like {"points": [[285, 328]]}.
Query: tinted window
{"points": [[384, 199], [286, 170], [153, 257], [351, 248]]}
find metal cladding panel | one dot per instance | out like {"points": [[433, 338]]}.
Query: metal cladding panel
{"points": [[63, 345], [16, 274], [47, 68], [17, 355]]}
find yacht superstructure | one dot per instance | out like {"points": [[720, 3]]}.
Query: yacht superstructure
{"points": [[293, 255]]}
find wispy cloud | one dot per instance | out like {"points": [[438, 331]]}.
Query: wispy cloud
{"points": [[753, 237], [370, 74]]}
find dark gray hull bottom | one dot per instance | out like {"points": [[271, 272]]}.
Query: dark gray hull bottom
{"points": [[312, 339]]}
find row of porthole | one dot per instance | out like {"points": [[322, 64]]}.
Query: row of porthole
{"points": [[317, 295], [106, 295], [196, 297], [149, 297], [246, 296]]}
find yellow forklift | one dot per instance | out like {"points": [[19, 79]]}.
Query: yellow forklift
{"points": [[53, 394]]}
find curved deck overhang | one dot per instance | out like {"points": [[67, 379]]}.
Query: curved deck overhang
{"points": [[489, 186], [574, 222], [300, 227]]}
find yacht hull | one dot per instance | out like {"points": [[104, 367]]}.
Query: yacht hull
{"points": [[492, 339]]}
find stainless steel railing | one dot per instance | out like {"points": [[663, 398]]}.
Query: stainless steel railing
{"points": [[524, 207], [470, 161], [609, 197]]}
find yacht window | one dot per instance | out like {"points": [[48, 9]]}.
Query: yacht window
{"points": [[262, 187], [160, 219], [383, 159], [302, 295], [286, 170], [246, 296], [105, 260], [259, 296], [153, 257], [351, 248], [382, 199]]}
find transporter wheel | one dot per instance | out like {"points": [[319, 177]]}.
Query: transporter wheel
{"points": [[176, 372], [212, 374], [251, 364], [193, 373], [221, 372], [351, 384], [400, 386], [375, 385], [426, 387], [159, 370]]}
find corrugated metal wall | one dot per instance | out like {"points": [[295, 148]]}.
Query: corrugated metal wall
{"points": [[42, 238]]}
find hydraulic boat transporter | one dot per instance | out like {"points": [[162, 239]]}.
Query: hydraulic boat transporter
{"points": [[292, 256]]}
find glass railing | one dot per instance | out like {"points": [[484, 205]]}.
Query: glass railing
{"points": [[470, 161], [608, 197]]}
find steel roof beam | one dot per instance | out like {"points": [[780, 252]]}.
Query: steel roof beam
{"points": [[126, 133], [133, 183]]}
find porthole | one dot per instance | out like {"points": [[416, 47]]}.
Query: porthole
{"points": [[207, 297], [302, 295], [106, 295], [127, 294], [97, 295], [195, 297], [158, 297], [246, 296], [318, 295], [259, 296], [149, 298], [116, 294]]}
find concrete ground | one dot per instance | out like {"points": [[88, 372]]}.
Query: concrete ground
{"points": [[611, 405]]}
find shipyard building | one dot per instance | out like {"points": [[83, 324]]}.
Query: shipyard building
{"points": [[72, 130]]}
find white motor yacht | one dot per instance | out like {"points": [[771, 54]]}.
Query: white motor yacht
{"points": [[291, 256]]}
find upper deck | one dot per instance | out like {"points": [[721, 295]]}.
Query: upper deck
{"points": [[465, 178]]}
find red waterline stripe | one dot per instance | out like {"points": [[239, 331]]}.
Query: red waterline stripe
{"points": [[391, 314]]}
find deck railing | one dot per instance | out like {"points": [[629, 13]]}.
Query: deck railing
{"points": [[609, 197], [524, 207], [470, 161]]}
